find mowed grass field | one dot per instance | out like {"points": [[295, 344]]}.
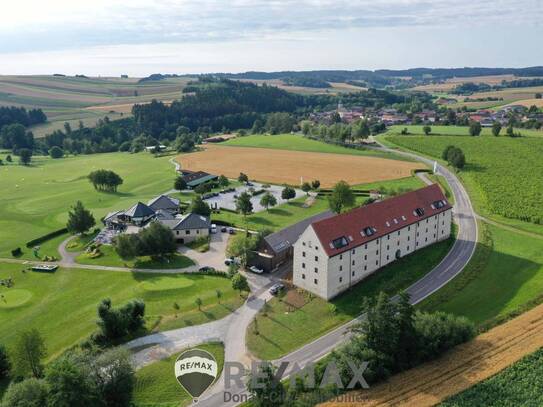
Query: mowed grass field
{"points": [[504, 175], [281, 166], [156, 385], [62, 306], [37, 198], [70, 99]]}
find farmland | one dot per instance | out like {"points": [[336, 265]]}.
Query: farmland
{"points": [[69, 297], [520, 384], [289, 167], [70, 99], [468, 364], [156, 386], [40, 195], [503, 174]]}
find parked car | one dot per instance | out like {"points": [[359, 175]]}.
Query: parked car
{"points": [[231, 231], [274, 290], [256, 270], [205, 269], [213, 228], [224, 229], [231, 260]]}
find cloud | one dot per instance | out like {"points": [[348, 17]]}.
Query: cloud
{"points": [[33, 25]]}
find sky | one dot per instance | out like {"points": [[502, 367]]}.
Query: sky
{"points": [[140, 37]]}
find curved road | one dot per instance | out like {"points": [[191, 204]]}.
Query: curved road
{"points": [[453, 263]]}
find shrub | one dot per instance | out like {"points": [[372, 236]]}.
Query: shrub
{"points": [[5, 365], [44, 238], [17, 252]]}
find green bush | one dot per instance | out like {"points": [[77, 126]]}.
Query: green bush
{"points": [[46, 237]]}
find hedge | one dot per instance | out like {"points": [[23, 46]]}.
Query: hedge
{"points": [[46, 237]]}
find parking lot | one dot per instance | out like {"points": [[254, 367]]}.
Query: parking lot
{"points": [[228, 200]]}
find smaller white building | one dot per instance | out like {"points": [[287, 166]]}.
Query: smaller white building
{"points": [[333, 254], [186, 228]]}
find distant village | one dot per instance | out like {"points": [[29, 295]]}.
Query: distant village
{"points": [[391, 116]]}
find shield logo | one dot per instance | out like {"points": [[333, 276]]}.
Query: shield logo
{"points": [[196, 370]]}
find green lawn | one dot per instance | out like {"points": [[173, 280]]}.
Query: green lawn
{"points": [[519, 385], [40, 195], [110, 258], [510, 277], [156, 385], [296, 142], [62, 306], [503, 175], [286, 328]]}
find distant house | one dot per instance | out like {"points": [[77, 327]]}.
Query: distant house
{"points": [[138, 215], [195, 178], [187, 228], [277, 247], [164, 202]]}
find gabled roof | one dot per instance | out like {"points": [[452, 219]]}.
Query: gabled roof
{"points": [[113, 215], [139, 210], [188, 221], [162, 214], [196, 178], [285, 238], [163, 202], [361, 225]]}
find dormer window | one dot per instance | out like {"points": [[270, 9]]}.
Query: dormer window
{"points": [[340, 242], [368, 231], [439, 204], [418, 212]]}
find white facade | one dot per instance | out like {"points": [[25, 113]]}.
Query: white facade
{"points": [[327, 276], [189, 235]]}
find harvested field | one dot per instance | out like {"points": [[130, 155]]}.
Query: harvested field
{"points": [[282, 166], [459, 369]]}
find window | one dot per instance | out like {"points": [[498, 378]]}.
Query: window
{"points": [[409, 228], [376, 262], [387, 257], [340, 242], [407, 248], [398, 242], [340, 268], [303, 265], [368, 231], [316, 281], [341, 279], [399, 232], [303, 276], [303, 243], [316, 258], [353, 252], [377, 252], [426, 239], [316, 270], [418, 212], [197, 231], [303, 254], [388, 247], [365, 257], [352, 273], [341, 257], [388, 237], [366, 246], [353, 262], [317, 248], [177, 232], [187, 232], [365, 268], [408, 238]]}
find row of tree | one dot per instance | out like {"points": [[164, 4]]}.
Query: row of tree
{"points": [[19, 115], [156, 241]]}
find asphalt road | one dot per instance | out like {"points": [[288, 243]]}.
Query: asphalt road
{"points": [[453, 263]]}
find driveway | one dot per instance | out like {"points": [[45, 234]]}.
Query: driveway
{"points": [[216, 254]]}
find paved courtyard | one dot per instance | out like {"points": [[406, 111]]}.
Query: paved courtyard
{"points": [[228, 200]]}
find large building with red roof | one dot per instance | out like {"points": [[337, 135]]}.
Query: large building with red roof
{"points": [[335, 253]]}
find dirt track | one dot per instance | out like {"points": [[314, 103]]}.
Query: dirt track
{"points": [[282, 166], [459, 369]]}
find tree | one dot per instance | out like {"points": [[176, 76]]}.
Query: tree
{"points": [[223, 181], [114, 377], [200, 207], [25, 156], [70, 382], [56, 152], [5, 365], [445, 153], [427, 130], [115, 323], [266, 390], [288, 193], [342, 197], [27, 354], [180, 184], [239, 282], [105, 180], [243, 177], [156, 241], [80, 220], [27, 393], [198, 302], [496, 128], [267, 200], [456, 158], [126, 245], [306, 187], [475, 128], [9, 159], [218, 293], [510, 130], [316, 184], [244, 204], [242, 246]]}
